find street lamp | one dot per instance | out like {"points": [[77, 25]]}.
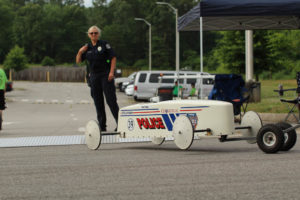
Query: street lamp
{"points": [[150, 56], [176, 30]]}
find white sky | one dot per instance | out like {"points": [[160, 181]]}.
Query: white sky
{"points": [[88, 3]]}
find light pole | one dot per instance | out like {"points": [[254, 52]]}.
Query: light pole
{"points": [[176, 30], [150, 54]]}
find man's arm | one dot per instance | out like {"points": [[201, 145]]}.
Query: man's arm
{"points": [[112, 69], [80, 52]]}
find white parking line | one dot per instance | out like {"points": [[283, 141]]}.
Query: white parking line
{"points": [[54, 101], [69, 101], [9, 123], [39, 101]]}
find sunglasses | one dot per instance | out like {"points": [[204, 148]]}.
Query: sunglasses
{"points": [[93, 33]]}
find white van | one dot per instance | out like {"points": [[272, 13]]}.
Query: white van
{"points": [[186, 80], [146, 83]]}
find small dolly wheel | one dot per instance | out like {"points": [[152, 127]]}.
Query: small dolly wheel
{"points": [[158, 140], [270, 138], [183, 132], [92, 135], [290, 137]]}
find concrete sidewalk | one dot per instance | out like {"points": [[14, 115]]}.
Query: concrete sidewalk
{"points": [[277, 117]]}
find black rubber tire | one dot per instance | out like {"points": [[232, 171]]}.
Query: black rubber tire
{"points": [[275, 132], [291, 136], [120, 87]]}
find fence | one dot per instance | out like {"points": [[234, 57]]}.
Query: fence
{"points": [[57, 74], [53, 74]]}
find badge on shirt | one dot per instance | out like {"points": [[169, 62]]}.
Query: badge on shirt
{"points": [[99, 48], [108, 46]]}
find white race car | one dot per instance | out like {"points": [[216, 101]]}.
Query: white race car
{"points": [[186, 120]]}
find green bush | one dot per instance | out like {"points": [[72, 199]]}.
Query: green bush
{"points": [[141, 64], [47, 61], [15, 59]]}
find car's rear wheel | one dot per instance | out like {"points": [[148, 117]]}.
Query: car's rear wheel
{"points": [[290, 137], [270, 138]]}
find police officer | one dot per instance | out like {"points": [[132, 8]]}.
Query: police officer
{"points": [[100, 74]]}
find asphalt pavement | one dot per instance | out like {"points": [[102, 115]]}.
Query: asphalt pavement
{"points": [[208, 170]]}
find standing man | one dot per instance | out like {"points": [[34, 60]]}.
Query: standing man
{"points": [[176, 88], [3, 81], [101, 66], [193, 90]]}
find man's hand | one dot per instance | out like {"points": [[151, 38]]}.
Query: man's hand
{"points": [[111, 76], [83, 49]]}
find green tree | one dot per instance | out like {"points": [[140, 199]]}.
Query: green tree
{"points": [[6, 19], [28, 32], [230, 52], [47, 61], [72, 34], [15, 59], [283, 49]]}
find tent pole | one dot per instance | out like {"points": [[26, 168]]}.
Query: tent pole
{"points": [[201, 55], [249, 54]]}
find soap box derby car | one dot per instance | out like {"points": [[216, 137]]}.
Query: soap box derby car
{"points": [[186, 120]]}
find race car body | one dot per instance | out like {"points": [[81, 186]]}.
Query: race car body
{"points": [[157, 119]]}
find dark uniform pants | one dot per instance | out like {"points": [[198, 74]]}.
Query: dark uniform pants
{"points": [[99, 85]]}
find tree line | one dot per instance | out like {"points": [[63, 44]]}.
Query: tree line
{"points": [[56, 29]]}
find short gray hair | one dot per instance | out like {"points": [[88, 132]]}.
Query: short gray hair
{"points": [[94, 27]]}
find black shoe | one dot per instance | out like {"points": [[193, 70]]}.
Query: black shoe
{"points": [[103, 129]]}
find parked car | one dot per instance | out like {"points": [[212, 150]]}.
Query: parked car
{"points": [[126, 83], [9, 86], [118, 73], [119, 81], [129, 90], [147, 82]]}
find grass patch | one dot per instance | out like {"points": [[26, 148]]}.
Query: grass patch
{"points": [[270, 100]]}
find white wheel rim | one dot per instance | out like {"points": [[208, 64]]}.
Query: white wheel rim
{"points": [[183, 132], [252, 119], [269, 139], [92, 135], [158, 140]]}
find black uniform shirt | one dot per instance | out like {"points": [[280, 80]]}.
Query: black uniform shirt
{"points": [[99, 57]]}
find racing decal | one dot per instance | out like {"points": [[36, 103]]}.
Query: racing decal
{"points": [[194, 119], [192, 108], [173, 117], [130, 124], [150, 123], [139, 111], [153, 118], [169, 110], [168, 122]]}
